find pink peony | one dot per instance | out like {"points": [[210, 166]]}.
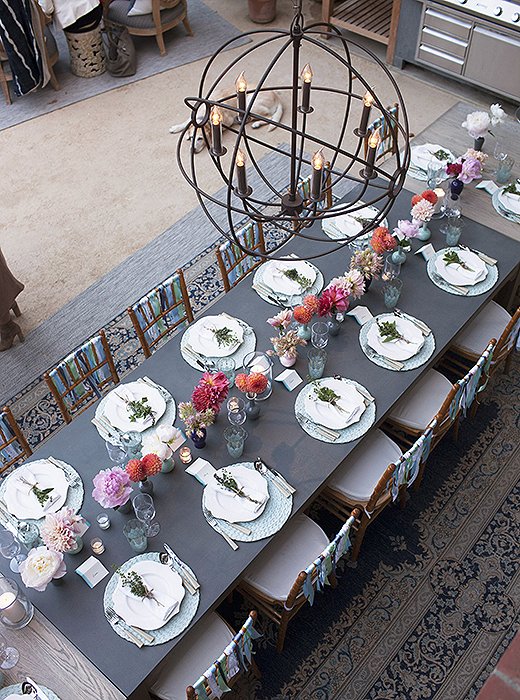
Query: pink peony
{"points": [[282, 320], [406, 229], [111, 487], [471, 170]]}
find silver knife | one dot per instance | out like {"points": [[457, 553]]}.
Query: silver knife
{"points": [[193, 581], [214, 524]]}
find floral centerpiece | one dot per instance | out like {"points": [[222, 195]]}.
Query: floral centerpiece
{"points": [[112, 488], [196, 422], [252, 385], [382, 240], [61, 531], [423, 208], [161, 443], [368, 263], [41, 567], [351, 282], [210, 392], [402, 234], [303, 315], [140, 469], [286, 347], [464, 170], [478, 123]]}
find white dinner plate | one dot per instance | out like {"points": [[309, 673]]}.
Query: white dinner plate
{"points": [[275, 279], [396, 349], [230, 507], [323, 413], [164, 582], [511, 202], [116, 409], [455, 274], [25, 505], [422, 156], [201, 336]]}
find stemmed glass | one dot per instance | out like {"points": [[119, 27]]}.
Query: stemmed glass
{"points": [[116, 453], [236, 410], [11, 549], [8, 655], [144, 508]]}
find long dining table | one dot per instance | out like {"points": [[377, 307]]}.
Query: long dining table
{"points": [[77, 611]]}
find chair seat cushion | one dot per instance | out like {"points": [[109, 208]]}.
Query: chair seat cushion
{"points": [[420, 405], [358, 475], [118, 9], [489, 323], [192, 658], [298, 544]]}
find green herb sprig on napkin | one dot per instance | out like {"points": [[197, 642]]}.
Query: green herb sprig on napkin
{"points": [[224, 336], [327, 395], [512, 189], [43, 495], [388, 332], [229, 483], [139, 409], [137, 587], [441, 154], [452, 258], [295, 276]]}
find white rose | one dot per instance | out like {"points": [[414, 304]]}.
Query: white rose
{"points": [[497, 114], [40, 567], [158, 447], [477, 124], [167, 433]]}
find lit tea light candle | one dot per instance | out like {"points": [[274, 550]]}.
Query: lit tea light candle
{"points": [[185, 455], [97, 545], [440, 199], [233, 404], [10, 608]]}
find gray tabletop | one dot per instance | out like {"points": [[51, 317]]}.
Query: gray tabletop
{"points": [[77, 611]]}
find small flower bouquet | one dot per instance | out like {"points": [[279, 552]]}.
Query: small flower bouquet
{"points": [[332, 300], [367, 262], [40, 567], [281, 321], [141, 469], [60, 530], [311, 303], [404, 231], [254, 383], [382, 240], [286, 345], [196, 422], [160, 443], [210, 392], [302, 314], [478, 124], [466, 169], [112, 487], [423, 206], [351, 282]]}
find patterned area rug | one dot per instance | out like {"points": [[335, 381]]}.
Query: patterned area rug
{"points": [[435, 597]]}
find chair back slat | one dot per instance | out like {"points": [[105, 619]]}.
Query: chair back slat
{"points": [[82, 376], [13, 444], [164, 309], [386, 124], [234, 263], [235, 658]]}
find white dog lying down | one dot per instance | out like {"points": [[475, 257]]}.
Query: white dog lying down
{"points": [[267, 104]]}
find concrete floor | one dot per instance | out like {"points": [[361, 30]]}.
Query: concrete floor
{"points": [[93, 182]]}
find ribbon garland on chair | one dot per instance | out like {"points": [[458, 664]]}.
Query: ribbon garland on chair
{"points": [[149, 309], [66, 372], [473, 379], [249, 237], [9, 452]]}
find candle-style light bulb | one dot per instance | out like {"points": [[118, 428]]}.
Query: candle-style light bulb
{"points": [[368, 101], [318, 162], [215, 117], [373, 142], [241, 87], [306, 76], [240, 162]]}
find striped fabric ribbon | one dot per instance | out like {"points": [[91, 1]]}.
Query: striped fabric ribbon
{"points": [[249, 237], [73, 368], [158, 300], [386, 129], [12, 451], [474, 381]]}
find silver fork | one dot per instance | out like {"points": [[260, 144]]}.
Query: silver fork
{"points": [[441, 279], [133, 632], [73, 480], [280, 483], [420, 325], [215, 525], [325, 432], [392, 364]]}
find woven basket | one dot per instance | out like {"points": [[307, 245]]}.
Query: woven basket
{"points": [[87, 53]]}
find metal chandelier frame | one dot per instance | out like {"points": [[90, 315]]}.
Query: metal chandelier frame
{"points": [[285, 208]]}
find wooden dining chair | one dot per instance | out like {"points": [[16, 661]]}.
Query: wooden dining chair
{"points": [[165, 15], [492, 322], [82, 376], [234, 263], [165, 309], [13, 443], [226, 656], [386, 125], [282, 580]]}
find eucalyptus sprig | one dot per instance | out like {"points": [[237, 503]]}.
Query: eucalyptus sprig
{"points": [[452, 258], [388, 332], [327, 395], [362, 220], [137, 587], [229, 483], [224, 336], [295, 276], [441, 154]]}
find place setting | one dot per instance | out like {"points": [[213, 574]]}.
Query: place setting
{"points": [[212, 338], [462, 271], [351, 224], [335, 409], [285, 282], [133, 407], [397, 341], [426, 155], [38, 488], [151, 598], [506, 201]]}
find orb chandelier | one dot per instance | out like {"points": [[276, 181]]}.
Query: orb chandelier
{"points": [[333, 161]]}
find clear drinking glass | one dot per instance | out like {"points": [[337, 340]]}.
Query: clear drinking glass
{"points": [[436, 173], [235, 437], [236, 410], [320, 334], [452, 229], [132, 442], [116, 453], [227, 366], [8, 655], [135, 533], [504, 170], [391, 269], [317, 361], [11, 549], [391, 292], [144, 509]]}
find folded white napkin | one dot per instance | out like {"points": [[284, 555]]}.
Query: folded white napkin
{"points": [[27, 476], [245, 502], [169, 605]]}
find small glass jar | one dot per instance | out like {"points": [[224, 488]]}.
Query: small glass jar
{"points": [[185, 455], [97, 546], [28, 534], [103, 521], [16, 610]]}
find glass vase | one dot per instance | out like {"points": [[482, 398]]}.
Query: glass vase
{"points": [[125, 508], [16, 610], [304, 332], [146, 486], [334, 326], [287, 360], [398, 256], [78, 547], [199, 441], [424, 233], [261, 363], [168, 465], [252, 407], [478, 144]]}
